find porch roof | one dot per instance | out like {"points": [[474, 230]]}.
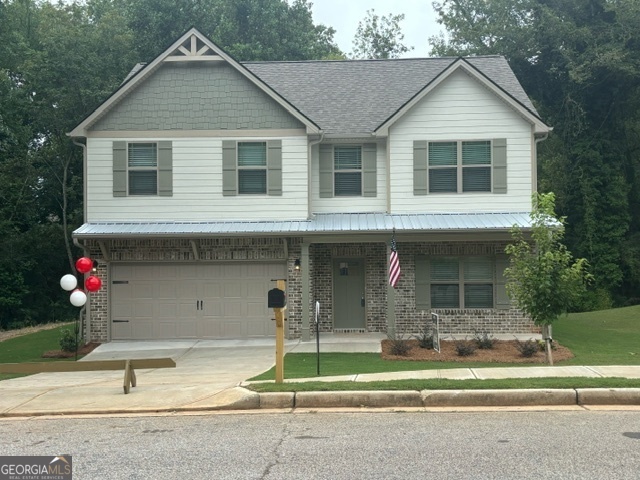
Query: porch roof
{"points": [[325, 223]]}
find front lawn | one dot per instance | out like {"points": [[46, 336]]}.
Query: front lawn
{"points": [[607, 337], [29, 348]]}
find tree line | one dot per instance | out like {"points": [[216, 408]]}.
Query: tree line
{"points": [[579, 60]]}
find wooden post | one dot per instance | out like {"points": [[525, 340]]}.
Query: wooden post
{"points": [[279, 313]]}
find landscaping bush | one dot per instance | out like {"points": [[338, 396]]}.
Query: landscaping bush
{"points": [[527, 349], [484, 341], [425, 339], [464, 348], [68, 340], [398, 345]]}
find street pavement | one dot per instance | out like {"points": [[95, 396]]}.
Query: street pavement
{"points": [[209, 375]]}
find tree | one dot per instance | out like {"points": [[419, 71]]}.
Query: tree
{"points": [[379, 37], [543, 278]]}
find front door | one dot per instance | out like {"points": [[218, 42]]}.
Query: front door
{"points": [[348, 294]]}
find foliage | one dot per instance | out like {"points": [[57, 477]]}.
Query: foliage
{"points": [[68, 341], [379, 37], [527, 348], [424, 337], [484, 341], [464, 348], [544, 280], [579, 61], [398, 345]]}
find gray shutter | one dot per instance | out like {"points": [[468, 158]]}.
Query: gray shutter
{"points": [[423, 291], [274, 167], [165, 169], [420, 168], [326, 171], [369, 174], [500, 165], [502, 299], [119, 169], [229, 168]]}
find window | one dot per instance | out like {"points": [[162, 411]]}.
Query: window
{"points": [[459, 167], [142, 166], [465, 282], [252, 168], [347, 165]]}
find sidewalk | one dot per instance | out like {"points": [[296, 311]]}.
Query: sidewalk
{"points": [[209, 376]]}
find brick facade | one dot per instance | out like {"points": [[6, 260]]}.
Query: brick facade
{"points": [[408, 319]]}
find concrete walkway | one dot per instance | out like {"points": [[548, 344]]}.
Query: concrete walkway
{"points": [[209, 372]]}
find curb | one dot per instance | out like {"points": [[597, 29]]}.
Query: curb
{"points": [[451, 398]]}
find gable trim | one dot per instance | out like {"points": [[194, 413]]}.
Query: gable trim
{"points": [[462, 64], [81, 129]]}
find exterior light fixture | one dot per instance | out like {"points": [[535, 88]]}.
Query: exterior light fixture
{"points": [[296, 264]]}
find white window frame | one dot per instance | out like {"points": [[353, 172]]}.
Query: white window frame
{"points": [[460, 168], [462, 283], [241, 168], [141, 169], [349, 170]]}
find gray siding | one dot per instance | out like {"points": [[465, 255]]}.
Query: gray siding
{"points": [[196, 97]]}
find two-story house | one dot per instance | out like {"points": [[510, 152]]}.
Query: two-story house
{"points": [[207, 178]]}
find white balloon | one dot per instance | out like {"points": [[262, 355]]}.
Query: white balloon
{"points": [[69, 282], [78, 298]]}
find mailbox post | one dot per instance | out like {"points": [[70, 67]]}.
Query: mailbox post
{"points": [[276, 300]]}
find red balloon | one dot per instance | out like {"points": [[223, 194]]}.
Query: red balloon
{"points": [[93, 283], [84, 265]]}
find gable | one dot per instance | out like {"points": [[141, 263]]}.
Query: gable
{"points": [[196, 96]]}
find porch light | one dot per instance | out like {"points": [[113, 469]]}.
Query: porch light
{"points": [[296, 264]]}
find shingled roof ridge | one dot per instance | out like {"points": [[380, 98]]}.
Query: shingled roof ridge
{"points": [[364, 60]]}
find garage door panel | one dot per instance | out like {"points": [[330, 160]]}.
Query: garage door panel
{"points": [[193, 300]]}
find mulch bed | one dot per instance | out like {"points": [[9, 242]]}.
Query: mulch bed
{"points": [[88, 348], [503, 351]]}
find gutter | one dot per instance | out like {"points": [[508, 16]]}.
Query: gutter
{"points": [[84, 177], [534, 173]]}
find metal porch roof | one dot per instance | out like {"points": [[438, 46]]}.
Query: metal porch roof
{"points": [[334, 223]]}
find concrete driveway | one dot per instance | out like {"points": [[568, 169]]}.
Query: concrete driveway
{"points": [[205, 374]]}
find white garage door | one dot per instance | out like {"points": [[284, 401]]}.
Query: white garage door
{"points": [[153, 302]]}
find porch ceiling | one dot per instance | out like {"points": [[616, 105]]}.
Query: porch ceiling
{"points": [[325, 223]]}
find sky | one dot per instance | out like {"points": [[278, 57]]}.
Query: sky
{"points": [[343, 15]]}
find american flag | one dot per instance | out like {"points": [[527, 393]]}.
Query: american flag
{"points": [[394, 263]]}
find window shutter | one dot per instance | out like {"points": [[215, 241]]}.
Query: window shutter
{"points": [[369, 175], [326, 171], [500, 165], [420, 170], [165, 169], [119, 169], [274, 167], [423, 292], [502, 299], [229, 168]]}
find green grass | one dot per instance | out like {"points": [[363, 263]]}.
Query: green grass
{"points": [[447, 384], [29, 348], [607, 337]]}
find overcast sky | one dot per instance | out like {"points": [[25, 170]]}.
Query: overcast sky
{"points": [[343, 15]]}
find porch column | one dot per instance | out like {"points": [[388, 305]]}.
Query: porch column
{"points": [[304, 267], [391, 301]]}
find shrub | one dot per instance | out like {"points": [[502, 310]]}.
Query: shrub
{"points": [[464, 348], [484, 341], [68, 340], [425, 339], [399, 346], [527, 349]]}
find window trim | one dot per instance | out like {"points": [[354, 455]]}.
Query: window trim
{"points": [[351, 170], [460, 167], [155, 169], [264, 167], [462, 282]]}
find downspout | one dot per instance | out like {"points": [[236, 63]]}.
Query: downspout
{"points": [[309, 173], [534, 174]]}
